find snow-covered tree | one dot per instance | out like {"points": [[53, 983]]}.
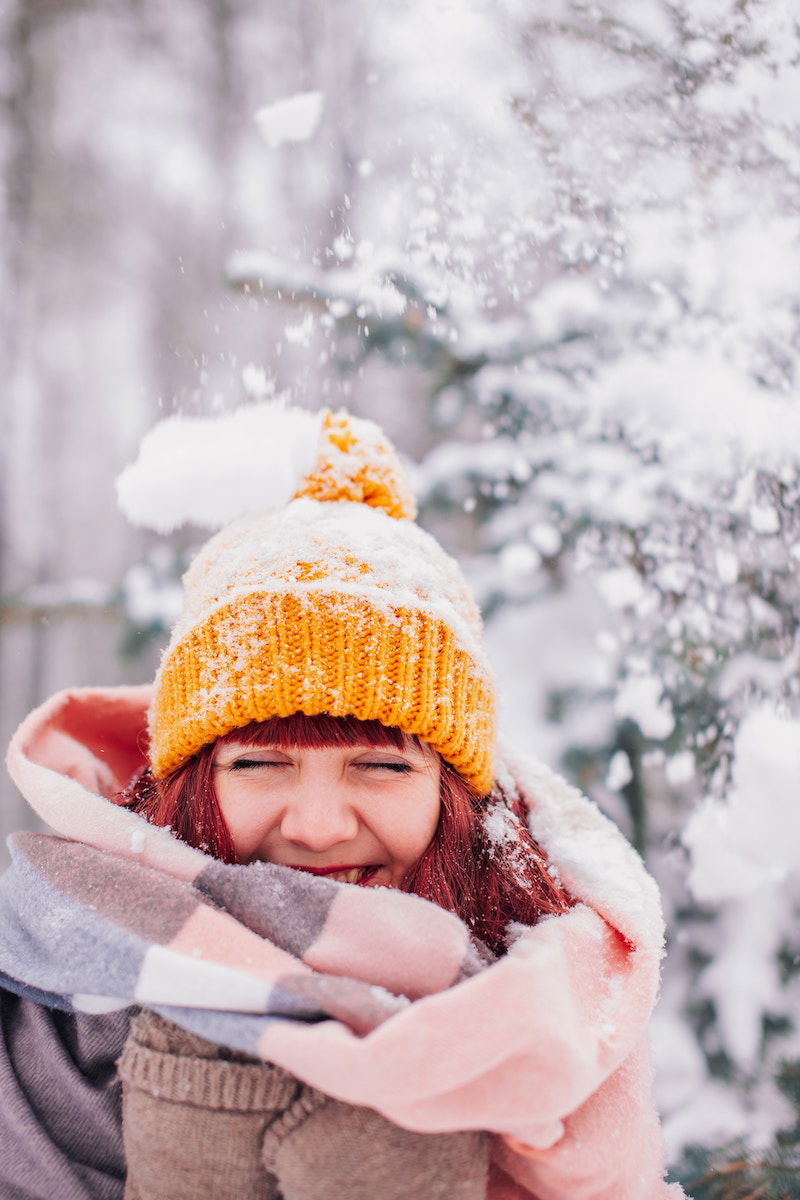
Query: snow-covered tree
{"points": [[600, 301]]}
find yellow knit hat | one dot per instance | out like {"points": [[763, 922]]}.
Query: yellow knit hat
{"points": [[336, 603]]}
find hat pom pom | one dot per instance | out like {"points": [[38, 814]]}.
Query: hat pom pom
{"points": [[207, 471], [357, 462]]}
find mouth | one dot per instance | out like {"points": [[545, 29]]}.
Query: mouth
{"points": [[357, 875]]}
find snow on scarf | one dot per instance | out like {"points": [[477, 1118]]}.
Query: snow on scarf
{"points": [[376, 997], [91, 931]]}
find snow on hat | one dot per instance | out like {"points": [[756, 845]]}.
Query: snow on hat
{"points": [[335, 602]]}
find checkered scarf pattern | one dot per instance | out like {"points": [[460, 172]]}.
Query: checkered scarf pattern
{"points": [[83, 929]]}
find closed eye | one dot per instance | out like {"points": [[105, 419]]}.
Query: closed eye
{"points": [[244, 764], [400, 768]]}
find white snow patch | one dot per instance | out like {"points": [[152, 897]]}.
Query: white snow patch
{"points": [[640, 699], [545, 537], [764, 519], [209, 470], [619, 771], [501, 827], [680, 768], [752, 838], [503, 831], [300, 334], [519, 560], [256, 382], [742, 979], [294, 119], [727, 564], [620, 587], [702, 413]]}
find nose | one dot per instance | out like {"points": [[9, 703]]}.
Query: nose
{"points": [[319, 817]]}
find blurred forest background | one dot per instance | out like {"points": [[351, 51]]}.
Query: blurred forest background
{"points": [[553, 248]]}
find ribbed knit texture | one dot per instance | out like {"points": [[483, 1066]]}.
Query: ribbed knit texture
{"points": [[167, 1061], [332, 1151], [308, 1102], [199, 1125], [206, 1083], [402, 668]]}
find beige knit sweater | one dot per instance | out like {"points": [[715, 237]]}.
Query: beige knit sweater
{"points": [[204, 1123]]}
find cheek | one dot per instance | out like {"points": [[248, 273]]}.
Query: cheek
{"points": [[248, 816], [409, 827]]}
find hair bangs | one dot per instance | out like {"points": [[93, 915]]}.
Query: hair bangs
{"points": [[318, 732]]}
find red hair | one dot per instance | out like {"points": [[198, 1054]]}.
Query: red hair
{"points": [[482, 863]]}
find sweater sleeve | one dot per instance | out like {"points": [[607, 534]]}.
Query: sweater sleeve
{"points": [[205, 1123], [321, 1148], [194, 1116], [60, 1132]]}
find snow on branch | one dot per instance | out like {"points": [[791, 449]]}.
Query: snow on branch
{"points": [[392, 305], [343, 292]]}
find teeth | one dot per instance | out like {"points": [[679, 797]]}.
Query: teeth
{"points": [[351, 876]]}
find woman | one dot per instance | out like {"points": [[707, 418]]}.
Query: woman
{"points": [[446, 958]]}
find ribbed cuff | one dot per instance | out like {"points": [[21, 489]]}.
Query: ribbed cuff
{"points": [[207, 1082], [306, 1103]]}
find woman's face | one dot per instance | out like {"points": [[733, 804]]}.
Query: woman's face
{"points": [[360, 814]]}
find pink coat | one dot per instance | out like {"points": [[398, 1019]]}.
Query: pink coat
{"points": [[547, 1048]]}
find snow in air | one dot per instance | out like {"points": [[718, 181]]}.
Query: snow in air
{"points": [[294, 119]]}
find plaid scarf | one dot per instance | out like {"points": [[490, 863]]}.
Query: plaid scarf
{"points": [[233, 947]]}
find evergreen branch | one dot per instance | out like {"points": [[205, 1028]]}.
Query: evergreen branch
{"points": [[392, 308], [621, 39], [749, 1179]]}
